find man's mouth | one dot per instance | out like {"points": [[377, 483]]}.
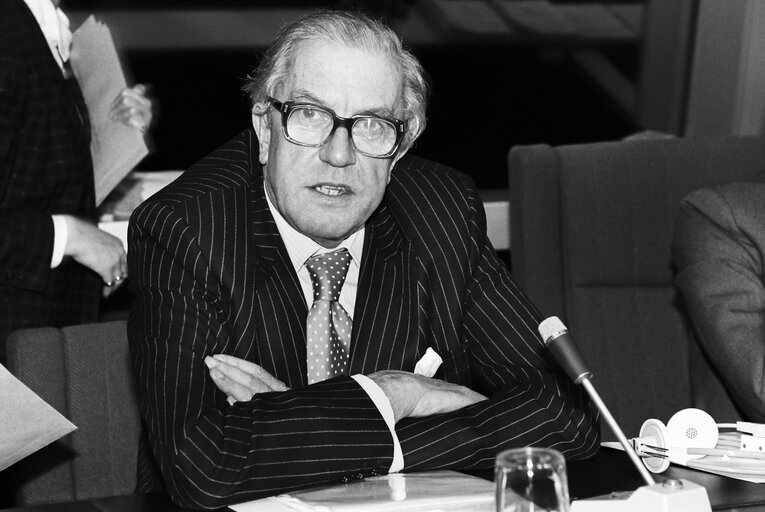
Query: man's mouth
{"points": [[330, 190]]}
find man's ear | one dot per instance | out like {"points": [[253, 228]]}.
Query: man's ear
{"points": [[399, 153], [406, 144], [261, 122]]}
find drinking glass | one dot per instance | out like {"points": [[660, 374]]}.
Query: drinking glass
{"points": [[531, 480]]}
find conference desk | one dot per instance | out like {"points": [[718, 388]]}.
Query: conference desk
{"points": [[609, 471]]}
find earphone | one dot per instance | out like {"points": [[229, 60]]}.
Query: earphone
{"points": [[687, 428], [691, 434], [692, 428]]}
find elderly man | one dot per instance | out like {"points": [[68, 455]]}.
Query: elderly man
{"points": [[352, 314]]}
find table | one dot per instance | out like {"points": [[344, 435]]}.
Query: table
{"points": [[610, 470]]}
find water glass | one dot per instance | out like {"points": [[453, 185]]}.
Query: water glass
{"points": [[531, 480]]}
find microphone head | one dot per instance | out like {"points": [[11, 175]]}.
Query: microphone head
{"points": [[551, 328]]}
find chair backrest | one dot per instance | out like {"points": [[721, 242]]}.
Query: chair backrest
{"points": [[591, 230], [85, 373]]}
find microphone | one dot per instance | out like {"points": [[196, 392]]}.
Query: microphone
{"points": [[676, 495], [560, 343]]}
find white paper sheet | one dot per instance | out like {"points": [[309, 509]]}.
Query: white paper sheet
{"points": [[136, 188], [434, 491], [27, 422], [115, 148], [749, 471]]}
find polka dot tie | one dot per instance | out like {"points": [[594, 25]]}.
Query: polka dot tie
{"points": [[328, 328]]}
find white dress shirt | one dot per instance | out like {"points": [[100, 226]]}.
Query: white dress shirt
{"points": [[300, 248], [55, 27]]}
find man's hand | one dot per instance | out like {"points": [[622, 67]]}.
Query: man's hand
{"points": [[98, 250], [132, 108], [241, 379], [413, 395]]}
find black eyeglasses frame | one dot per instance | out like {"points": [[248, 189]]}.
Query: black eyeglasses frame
{"points": [[286, 107]]}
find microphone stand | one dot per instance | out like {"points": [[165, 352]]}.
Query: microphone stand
{"points": [[670, 495], [617, 431]]}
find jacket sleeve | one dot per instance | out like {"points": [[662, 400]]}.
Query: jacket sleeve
{"points": [[212, 454], [531, 402], [26, 234], [720, 275]]}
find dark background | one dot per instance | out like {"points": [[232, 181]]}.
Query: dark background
{"points": [[487, 95], [485, 99]]}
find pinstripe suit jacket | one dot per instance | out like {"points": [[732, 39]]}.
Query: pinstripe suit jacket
{"points": [[45, 168], [210, 274]]}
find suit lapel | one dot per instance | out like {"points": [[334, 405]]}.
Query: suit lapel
{"points": [[385, 325], [71, 105], [279, 299]]}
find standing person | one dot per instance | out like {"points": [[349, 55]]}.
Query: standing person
{"points": [[311, 307], [54, 261]]}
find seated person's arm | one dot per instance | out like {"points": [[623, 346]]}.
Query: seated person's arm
{"points": [[212, 453], [444, 424], [720, 275], [531, 400]]}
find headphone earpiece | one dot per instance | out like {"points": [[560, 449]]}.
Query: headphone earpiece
{"points": [[692, 428], [654, 433], [688, 428]]}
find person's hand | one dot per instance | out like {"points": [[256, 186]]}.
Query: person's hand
{"points": [[241, 379], [413, 395], [132, 108], [98, 250]]}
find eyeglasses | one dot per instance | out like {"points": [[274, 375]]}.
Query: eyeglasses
{"points": [[306, 124]]}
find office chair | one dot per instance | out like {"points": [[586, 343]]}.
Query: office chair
{"points": [[591, 231], [86, 374]]}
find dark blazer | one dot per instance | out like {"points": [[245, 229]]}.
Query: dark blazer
{"points": [[45, 168], [210, 274], [718, 250]]}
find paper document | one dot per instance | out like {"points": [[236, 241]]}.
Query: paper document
{"points": [[136, 188], [115, 148], [749, 470], [435, 491], [27, 422]]}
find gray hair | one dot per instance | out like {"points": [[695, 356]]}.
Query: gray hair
{"points": [[354, 30]]}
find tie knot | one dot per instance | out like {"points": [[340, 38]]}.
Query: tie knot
{"points": [[327, 273]]}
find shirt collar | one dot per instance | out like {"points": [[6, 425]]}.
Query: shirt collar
{"points": [[300, 247], [55, 27]]}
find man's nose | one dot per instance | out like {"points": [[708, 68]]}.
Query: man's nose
{"points": [[338, 151]]}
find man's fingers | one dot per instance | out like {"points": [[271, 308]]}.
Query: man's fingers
{"points": [[132, 108], [246, 374], [412, 395], [242, 364], [444, 397], [235, 391], [132, 95], [254, 370], [242, 378]]}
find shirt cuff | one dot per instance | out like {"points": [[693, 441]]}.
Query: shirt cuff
{"points": [[60, 236], [382, 403]]}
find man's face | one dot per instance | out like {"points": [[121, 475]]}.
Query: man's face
{"points": [[329, 192]]}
